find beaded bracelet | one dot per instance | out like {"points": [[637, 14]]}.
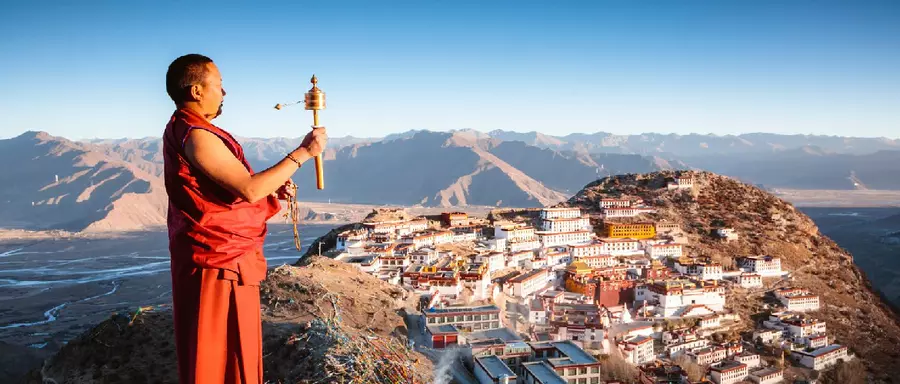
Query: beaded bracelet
{"points": [[294, 159]]}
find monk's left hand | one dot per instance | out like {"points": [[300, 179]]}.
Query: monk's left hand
{"points": [[286, 191]]}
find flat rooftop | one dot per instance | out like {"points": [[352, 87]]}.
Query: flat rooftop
{"points": [[505, 334], [528, 275], [462, 310], [503, 279], [706, 350], [543, 372], [561, 362], [639, 339], [765, 372], [543, 336], [574, 353], [536, 345], [728, 366], [486, 343], [495, 367], [552, 293], [822, 351], [517, 348], [442, 329]]}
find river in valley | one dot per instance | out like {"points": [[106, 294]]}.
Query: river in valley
{"points": [[52, 290]]}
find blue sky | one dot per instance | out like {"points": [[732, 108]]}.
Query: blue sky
{"points": [[96, 69]]}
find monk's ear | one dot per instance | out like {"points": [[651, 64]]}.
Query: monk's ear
{"points": [[195, 92]]}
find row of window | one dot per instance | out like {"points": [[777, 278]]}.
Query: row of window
{"points": [[579, 371], [613, 247], [600, 262], [593, 250], [561, 214], [481, 325], [550, 225], [631, 232], [804, 301], [593, 380], [461, 318], [623, 213], [607, 203], [566, 237], [735, 374]]}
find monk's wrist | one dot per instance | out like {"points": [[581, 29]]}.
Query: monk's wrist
{"points": [[300, 155]]}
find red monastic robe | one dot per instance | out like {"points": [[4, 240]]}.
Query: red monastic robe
{"points": [[215, 243]]}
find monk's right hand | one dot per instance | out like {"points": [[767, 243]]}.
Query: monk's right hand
{"points": [[315, 141]]}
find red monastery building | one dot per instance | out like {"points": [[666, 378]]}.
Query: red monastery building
{"points": [[606, 286]]}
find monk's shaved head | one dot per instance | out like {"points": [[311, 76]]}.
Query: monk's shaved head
{"points": [[184, 72]]}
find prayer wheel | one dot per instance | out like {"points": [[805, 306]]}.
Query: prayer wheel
{"points": [[315, 101]]}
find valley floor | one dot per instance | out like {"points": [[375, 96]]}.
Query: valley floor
{"points": [[839, 198]]}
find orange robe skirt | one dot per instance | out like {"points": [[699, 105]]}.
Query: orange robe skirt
{"points": [[218, 332]]}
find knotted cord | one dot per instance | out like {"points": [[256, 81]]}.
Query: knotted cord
{"points": [[294, 214]]}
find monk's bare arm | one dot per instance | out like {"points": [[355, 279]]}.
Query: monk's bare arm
{"points": [[209, 154]]}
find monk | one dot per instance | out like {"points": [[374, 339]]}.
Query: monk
{"points": [[218, 207]]}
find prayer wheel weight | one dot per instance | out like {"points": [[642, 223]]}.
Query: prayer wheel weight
{"points": [[315, 100]]}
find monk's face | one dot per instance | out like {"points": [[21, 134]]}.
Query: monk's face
{"points": [[211, 93]]}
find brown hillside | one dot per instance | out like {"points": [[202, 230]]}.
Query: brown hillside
{"points": [[855, 315], [325, 322], [95, 192], [494, 174], [145, 154]]}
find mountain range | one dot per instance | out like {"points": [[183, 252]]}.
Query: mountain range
{"points": [[697, 144], [116, 184]]}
